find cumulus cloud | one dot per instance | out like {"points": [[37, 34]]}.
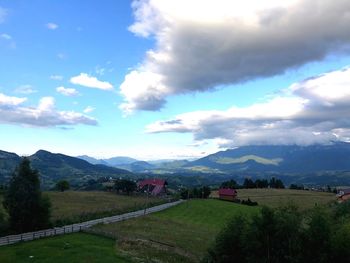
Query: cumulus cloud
{"points": [[8, 101], [26, 89], [201, 45], [13, 111], [316, 110], [70, 92], [91, 82], [52, 26]]}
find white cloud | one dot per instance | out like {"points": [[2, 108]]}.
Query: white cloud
{"points": [[201, 45], [10, 101], [45, 114], [91, 82], [3, 14], [26, 89], [6, 36], [317, 110], [89, 109], [52, 26], [70, 92], [56, 77]]}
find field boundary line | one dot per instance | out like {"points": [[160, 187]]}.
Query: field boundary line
{"points": [[73, 228]]}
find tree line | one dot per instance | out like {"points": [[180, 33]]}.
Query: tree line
{"points": [[285, 234], [258, 183]]}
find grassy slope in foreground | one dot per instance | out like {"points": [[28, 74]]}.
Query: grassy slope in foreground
{"points": [[180, 234], [72, 248]]}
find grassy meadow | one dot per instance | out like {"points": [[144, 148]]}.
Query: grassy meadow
{"points": [[72, 248], [72, 204], [75, 206], [180, 234], [279, 197]]}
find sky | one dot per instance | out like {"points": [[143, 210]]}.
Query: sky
{"points": [[163, 79]]}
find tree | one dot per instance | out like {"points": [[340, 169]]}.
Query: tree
{"points": [[248, 183], [28, 210], [206, 191], [261, 183], [62, 185], [124, 185], [230, 184], [3, 226], [276, 183]]}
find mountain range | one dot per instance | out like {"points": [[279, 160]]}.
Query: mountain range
{"points": [[314, 163], [55, 166]]}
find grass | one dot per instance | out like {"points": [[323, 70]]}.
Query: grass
{"points": [[72, 204], [180, 234], [279, 197], [75, 206], [79, 247]]}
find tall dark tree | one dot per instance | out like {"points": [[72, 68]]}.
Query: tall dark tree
{"points": [[28, 210]]}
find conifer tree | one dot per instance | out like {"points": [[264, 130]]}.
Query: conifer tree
{"points": [[28, 210]]}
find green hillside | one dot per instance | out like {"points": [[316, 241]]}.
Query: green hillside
{"points": [[180, 234]]}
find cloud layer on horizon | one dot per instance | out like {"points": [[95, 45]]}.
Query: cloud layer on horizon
{"points": [[201, 45], [316, 110], [44, 115]]}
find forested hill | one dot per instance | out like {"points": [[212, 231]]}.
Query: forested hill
{"points": [[54, 167]]}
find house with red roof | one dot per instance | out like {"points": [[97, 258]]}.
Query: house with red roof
{"points": [[343, 195], [227, 194], [153, 186]]}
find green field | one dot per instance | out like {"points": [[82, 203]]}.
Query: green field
{"points": [[79, 247], [179, 234], [280, 197], [74, 206], [71, 204]]}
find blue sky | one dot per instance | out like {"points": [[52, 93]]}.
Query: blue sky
{"points": [[164, 79]]}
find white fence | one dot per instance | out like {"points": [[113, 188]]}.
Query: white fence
{"points": [[7, 240]]}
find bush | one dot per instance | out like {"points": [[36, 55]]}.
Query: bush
{"points": [[249, 202]]}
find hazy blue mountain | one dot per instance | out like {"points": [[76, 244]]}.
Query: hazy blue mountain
{"points": [[92, 160], [114, 161], [137, 167], [284, 159]]}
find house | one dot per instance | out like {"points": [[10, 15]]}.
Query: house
{"points": [[343, 195], [155, 186], [227, 194]]}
